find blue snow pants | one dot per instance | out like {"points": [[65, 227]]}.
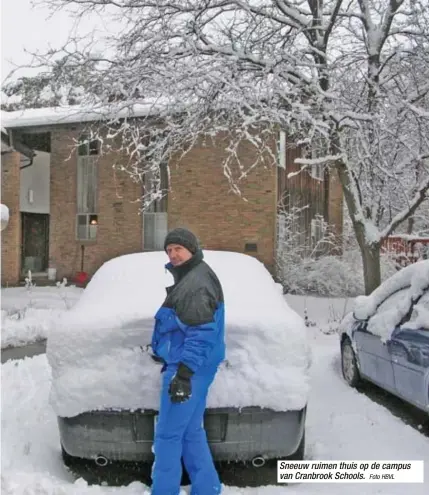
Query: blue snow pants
{"points": [[180, 433]]}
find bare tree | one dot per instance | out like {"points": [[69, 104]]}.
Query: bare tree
{"points": [[348, 78]]}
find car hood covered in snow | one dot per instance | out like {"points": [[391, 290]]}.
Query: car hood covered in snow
{"points": [[96, 350], [415, 279]]}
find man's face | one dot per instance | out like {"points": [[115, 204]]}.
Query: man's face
{"points": [[178, 254]]}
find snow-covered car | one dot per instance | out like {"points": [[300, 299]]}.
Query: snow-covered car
{"points": [[106, 386], [386, 338]]}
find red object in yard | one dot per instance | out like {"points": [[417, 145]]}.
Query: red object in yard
{"points": [[81, 278], [406, 249]]}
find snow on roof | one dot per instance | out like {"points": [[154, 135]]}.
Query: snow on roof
{"points": [[75, 114], [95, 350]]}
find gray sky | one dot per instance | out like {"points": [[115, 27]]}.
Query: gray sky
{"points": [[24, 26]]}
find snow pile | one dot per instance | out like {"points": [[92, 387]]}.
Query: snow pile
{"points": [[29, 314], [412, 281], [26, 326], [4, 213], [326, 275], [96, 356], [335, 276]]}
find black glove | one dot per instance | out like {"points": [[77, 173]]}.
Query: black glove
{"points": [[157, 359], [180, 388], [154, 356]]}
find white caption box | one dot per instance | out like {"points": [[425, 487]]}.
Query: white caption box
{"points": [[350, 471]]}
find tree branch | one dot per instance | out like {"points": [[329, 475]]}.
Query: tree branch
{"points": [[420, 196]]}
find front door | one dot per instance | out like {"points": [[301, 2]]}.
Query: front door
{"points": [[35, 242]]}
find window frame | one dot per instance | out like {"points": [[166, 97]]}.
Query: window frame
{"points": [[157, 211], [86, 178]]}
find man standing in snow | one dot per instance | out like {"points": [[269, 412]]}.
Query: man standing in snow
{"points": [[189, 337]]}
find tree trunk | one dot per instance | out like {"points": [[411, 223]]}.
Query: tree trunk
{"points": [[371, 266], [410, 225], [370, 252]]}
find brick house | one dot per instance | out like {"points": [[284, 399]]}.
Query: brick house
{"points": [[74, 211]]}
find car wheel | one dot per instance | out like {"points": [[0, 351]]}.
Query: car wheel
{"points": [[349, 364]]}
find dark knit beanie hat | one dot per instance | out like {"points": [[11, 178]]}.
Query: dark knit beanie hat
{"points": [[183, 237]]}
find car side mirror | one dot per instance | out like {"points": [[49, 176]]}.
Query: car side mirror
{"points": [[360, 324], [360, 320]]}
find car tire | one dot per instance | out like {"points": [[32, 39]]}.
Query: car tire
{"points": [[349, 366]]}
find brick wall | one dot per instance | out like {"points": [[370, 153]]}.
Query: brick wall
{"points": [[11, 236], [201, 200], [119, 223]]}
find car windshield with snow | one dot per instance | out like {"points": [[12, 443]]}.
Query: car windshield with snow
{"points": [[386, 338], [106, 386]]}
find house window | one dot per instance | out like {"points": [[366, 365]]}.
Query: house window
{"points": [[155, 221], [88, 147], [87, 176], [318, 227]]}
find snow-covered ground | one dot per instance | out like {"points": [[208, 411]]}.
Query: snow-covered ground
{"points": [[28, 314], [341, 423]]}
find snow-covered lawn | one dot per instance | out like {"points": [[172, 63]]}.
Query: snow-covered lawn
{"points": [[27, 314], [341, 423]]}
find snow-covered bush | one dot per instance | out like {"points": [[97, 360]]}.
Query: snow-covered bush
{"points": [[61, 286], [304, 269], [327, 275]]}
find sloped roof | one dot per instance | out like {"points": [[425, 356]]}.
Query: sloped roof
{"points": [[76, 114]]}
